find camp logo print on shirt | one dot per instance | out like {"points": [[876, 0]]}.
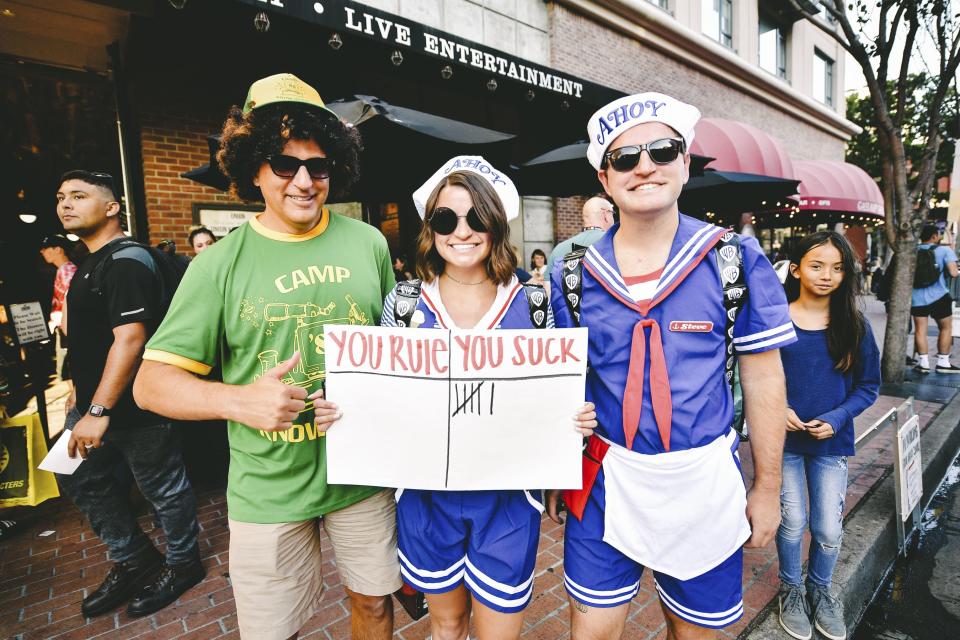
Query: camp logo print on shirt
{"points": [[308, 320]]}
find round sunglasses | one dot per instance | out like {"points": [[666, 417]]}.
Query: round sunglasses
{"points": [[663, 151], [444, 221], [287, 166]]}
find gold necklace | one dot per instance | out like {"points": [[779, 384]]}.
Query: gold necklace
{"points": [[468, 284]]}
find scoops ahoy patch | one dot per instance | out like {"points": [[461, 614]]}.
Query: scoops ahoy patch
{"points": [[691, 326]]}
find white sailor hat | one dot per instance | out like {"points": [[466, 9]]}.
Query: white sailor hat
{"points": [[502, 185], [627, 112]]}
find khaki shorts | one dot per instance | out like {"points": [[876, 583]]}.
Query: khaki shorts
{"points": [[276, 568]]}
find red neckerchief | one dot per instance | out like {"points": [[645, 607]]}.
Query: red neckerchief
{"points": [[659, 378]]}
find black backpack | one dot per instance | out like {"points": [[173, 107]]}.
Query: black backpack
{"points": [[927, 272], [168, 269], [734, 286]]}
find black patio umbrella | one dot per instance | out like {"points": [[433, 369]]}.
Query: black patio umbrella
{"points": [[402, 147], [209, 174], [564, 172], [726, 193]]}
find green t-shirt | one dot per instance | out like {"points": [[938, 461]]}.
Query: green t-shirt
{"points": [[249, 302]]}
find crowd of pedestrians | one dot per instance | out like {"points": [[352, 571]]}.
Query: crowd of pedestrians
{"points": [[681, 315]]}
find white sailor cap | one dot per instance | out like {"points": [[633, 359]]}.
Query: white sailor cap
{"points": [[502, 185], [627, 112]]}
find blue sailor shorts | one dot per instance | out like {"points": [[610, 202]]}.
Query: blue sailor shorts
{"points": [[486, 540], [598, 575]]}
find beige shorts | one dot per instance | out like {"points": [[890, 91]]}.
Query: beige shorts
{"points": [[276, 568]]}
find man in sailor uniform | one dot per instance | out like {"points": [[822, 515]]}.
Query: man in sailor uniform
{"points": [[662, 483]]}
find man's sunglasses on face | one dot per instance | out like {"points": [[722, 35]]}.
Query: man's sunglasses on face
{"points": [[663, 151], [287, 166]]}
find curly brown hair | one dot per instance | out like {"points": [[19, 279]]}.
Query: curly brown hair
{"points": [[502, 261], [248, 139]]}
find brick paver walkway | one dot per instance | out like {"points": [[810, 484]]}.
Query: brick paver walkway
{"points": [[44, 576]]}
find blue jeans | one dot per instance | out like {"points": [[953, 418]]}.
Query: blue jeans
{"points": [[152, 454], [825, 478]]}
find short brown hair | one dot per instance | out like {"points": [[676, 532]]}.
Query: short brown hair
{"points": [[502, 261]]}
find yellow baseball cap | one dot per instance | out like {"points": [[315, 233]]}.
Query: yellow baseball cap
{"points": [[282, 87]]}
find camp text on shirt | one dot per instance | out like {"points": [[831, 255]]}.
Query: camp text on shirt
{"points": [[313, 275]]}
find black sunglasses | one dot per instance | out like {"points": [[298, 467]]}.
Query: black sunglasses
{"points": [[663, 151], [288, 166], [444, 220]]}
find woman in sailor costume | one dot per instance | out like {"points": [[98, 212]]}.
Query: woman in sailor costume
{"points": [[469, 550], [662, 483]]}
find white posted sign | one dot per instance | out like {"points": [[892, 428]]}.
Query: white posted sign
{"points": [[455, 410], [28, 322], [910, 470]]}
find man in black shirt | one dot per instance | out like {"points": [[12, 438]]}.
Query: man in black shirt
{"points": [[115, 306]]}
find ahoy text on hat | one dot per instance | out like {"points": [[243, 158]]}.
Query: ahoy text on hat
{"points": [[502, 185], [625, 113]]}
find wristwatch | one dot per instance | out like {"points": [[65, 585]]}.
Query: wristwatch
{"points": [[98, 410]]}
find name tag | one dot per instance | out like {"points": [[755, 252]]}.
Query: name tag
{"points": [[691, 326]]}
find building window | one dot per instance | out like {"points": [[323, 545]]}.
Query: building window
{"points": [[773, 46], [663, 4], [717, 20], [822, 78]]}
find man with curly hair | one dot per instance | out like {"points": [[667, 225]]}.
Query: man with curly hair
{"points": [[254, 303]]}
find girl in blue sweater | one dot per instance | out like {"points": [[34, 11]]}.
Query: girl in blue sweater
{"points": [[833, 374]]}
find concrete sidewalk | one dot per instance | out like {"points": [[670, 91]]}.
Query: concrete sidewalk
{"points": [[44, 577]]}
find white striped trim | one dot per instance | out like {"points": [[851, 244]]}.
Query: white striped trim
{"points": [[567, 578], [428, 586], [682, 254], [536, 504], [766, 343], [643, 290], [685, 255], [763, 334], [396, 498], [130, 313], [386, 316], [572, 588], [502, 602], [431, 574], [719, 619], [499, 586], [610, 274]]}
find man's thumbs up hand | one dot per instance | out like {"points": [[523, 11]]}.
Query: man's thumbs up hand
{"points": [[269, 403]]}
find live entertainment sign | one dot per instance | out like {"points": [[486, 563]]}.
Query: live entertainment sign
{"points": [[349, 17]]}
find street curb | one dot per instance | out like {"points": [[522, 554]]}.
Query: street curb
{"points": [[869, 531]]}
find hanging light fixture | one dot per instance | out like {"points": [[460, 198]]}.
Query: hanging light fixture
{"points": [[334, 41], [531, 95], [564, 105], [446, 72], [396, 58], [28, 218], [178, 4], [492, 84], [262, 22]]}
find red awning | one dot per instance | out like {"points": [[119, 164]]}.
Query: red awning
{"points": [[742, 148], [838, 186]]}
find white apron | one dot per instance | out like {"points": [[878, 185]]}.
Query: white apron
{"points": [[681, 513]]}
